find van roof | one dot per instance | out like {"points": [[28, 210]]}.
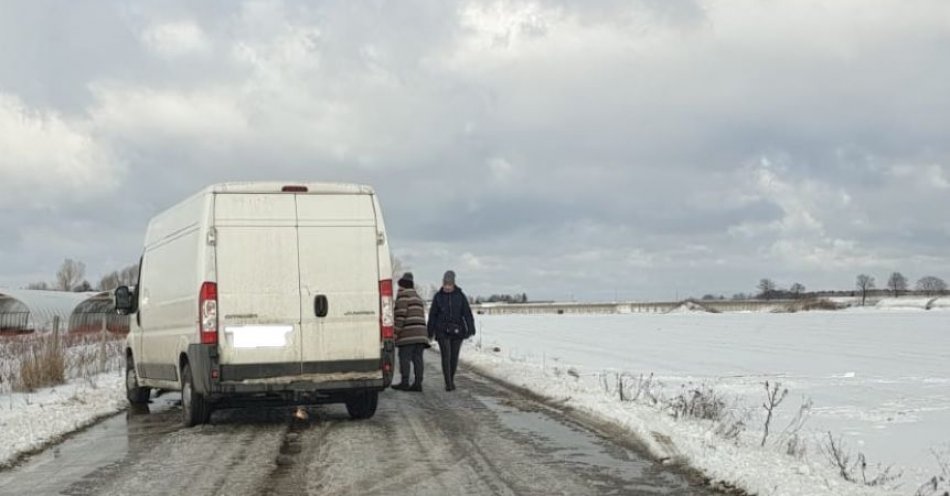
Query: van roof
{"points": [[277, 186], [164, 222]]}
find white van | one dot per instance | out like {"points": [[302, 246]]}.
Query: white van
{"points": [[263, 292]]}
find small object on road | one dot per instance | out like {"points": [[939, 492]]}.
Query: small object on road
{"points": [[301, 414], [291, 449]]}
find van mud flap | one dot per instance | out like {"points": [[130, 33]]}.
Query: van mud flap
{"points": [[203, 359], [388, 365]]}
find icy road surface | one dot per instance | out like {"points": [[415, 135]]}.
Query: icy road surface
{"points": [[481, 439]]}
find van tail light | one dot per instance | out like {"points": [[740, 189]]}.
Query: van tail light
{"points": [[208, 313], [386, 319]]}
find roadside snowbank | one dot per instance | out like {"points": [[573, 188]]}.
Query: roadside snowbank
{"points": [[878, 378], [32, 421], [696, 443]]}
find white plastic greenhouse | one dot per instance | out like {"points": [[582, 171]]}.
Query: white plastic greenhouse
{"points": [[24, 311]]}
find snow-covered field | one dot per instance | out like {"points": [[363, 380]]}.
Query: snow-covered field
{"points": [[878, 378], [29, 421]]}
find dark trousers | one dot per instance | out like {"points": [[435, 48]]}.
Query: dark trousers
{"points": [[411, 354], [449, 348]]}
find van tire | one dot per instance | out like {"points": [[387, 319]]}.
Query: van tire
{"points": [[362, 405], [195, 408], [136, 394]]}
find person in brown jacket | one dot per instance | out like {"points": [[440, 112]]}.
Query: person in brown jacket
{"points": [[412, 336]]}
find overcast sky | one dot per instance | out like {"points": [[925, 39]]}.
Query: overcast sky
{"points": [[639, 149]]}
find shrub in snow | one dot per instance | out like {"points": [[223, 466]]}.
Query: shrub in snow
{"points": [[700, 402], [795, 444], [644, 389], [938, 485], [857, 471], [731, 426], [774, 398]]}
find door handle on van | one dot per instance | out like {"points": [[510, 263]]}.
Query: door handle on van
{"points": [[321, 306]]}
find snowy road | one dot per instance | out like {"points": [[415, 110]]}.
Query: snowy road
{"points": [[481, 439]]}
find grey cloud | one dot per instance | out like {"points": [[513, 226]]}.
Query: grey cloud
{"points": [[552, 152]]}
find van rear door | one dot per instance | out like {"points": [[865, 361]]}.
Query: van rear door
{"points": [[258, 283], [339, 265]]}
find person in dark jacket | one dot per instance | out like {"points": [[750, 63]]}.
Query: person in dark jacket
{"points": [[412, 336], [450, 322]]}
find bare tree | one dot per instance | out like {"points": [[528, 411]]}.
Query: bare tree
{"points": [[797, 289], [38, 285], [766, 288], [897, 283], [70, 274], [931, 285], [129, 276], [110, 281], [864, 283]]}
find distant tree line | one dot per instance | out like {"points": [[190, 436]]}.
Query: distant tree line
{"points": [[865, 286], [503, 298], [71, 277]]}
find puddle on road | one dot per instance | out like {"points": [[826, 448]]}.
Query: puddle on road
{"points": [[569, 444], [53, 470]]}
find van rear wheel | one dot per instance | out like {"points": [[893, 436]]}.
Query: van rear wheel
{"points": [[195, 408], [362, 405]]}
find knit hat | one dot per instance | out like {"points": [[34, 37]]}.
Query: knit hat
{"points": [[449, 277], [406, 277]]}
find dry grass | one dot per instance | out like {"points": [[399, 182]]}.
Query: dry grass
{"points": [[42, 365], [35, 361]]}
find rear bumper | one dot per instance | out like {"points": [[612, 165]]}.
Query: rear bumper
{"points": [[283, 372], [327, 377], [297, 386]]}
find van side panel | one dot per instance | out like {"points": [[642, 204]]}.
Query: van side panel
{"points": [[168, 300], [258, 280], [339, 262]]}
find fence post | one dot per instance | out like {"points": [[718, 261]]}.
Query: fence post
{"points": [[55, 346], [102, 345]]}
